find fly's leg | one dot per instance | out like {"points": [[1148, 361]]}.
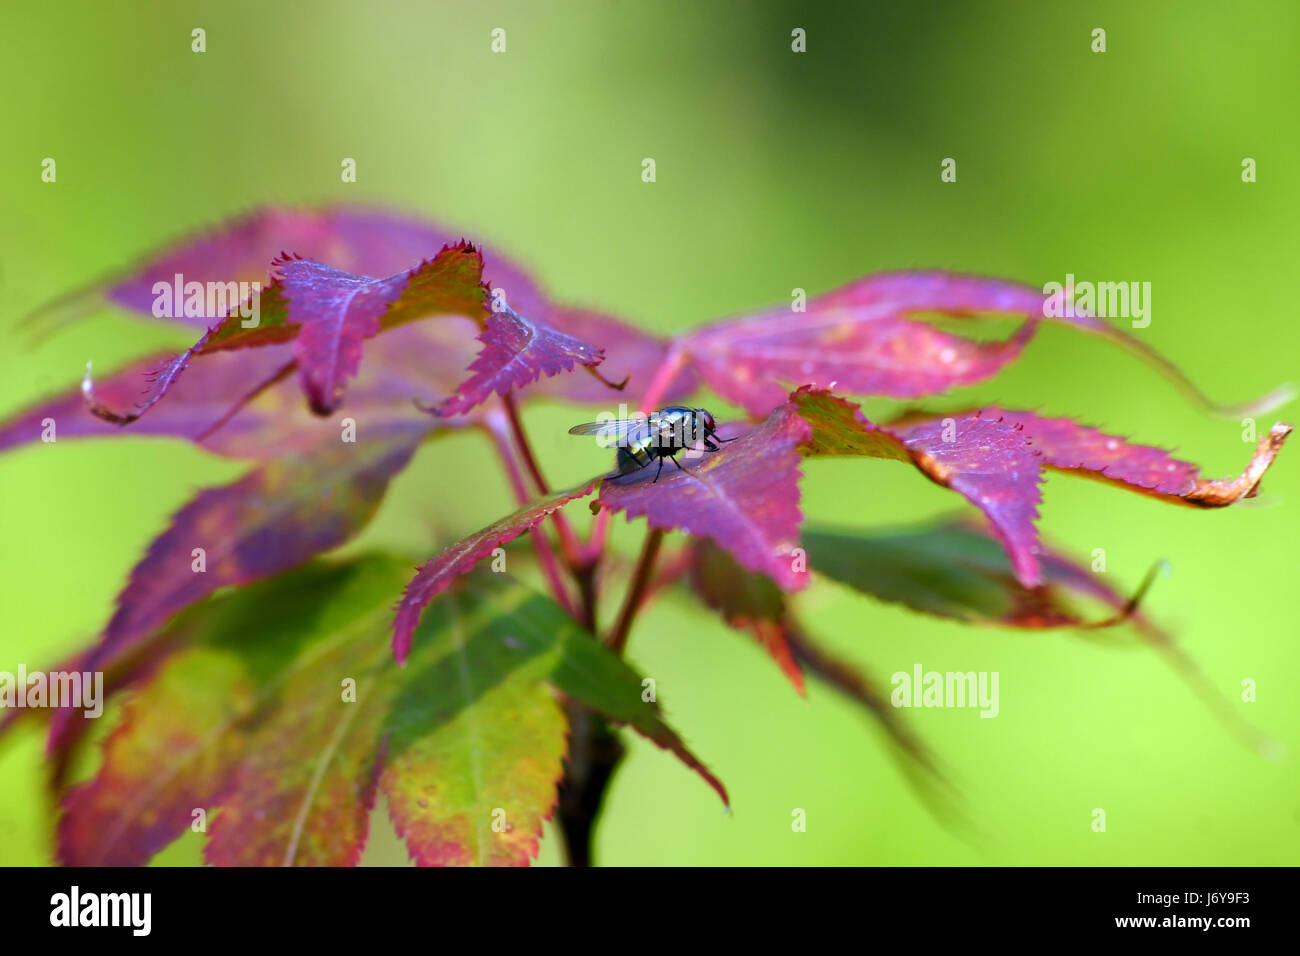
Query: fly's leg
{"points": [[661, 468], [709, 446]]}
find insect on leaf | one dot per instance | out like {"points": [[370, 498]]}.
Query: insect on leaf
{"points": [[744, 497]]}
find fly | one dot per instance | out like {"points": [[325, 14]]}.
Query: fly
{"points": [[659, 435]]}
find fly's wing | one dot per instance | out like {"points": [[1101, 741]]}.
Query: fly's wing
{"points": [[611, 432]]}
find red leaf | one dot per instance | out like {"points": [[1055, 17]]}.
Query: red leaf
{"points": [[199, 400], [994, 459], [327, 314], [744, 497], [1066, 445], [986, 460], [339, 311], [859, 340], [630, 354], [863, 339], [416, 364], [365, 242], [434, 576], [516, 352], [275, 518], [362, 242]]}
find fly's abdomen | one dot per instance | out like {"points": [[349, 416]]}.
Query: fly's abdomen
{"points": [[636, 451]]}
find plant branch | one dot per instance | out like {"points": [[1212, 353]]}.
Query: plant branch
{"points": [[586, 577], [594, 754], [574, 554], [525, 450], [636, 591], [672, 569], [541, 544]]}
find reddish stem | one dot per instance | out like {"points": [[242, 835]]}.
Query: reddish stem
{"points": [[674, 567], [574, 554], [541, 544], [525, 450], [636, 592], [654, 394]]}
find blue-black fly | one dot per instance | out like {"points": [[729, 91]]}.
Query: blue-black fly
{"points": [[659, 435]]}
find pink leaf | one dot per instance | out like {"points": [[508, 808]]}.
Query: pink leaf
{"points": [[416, 364], [630, 354], [516, 352], [434, 576], [1066, 445], [994, 458], [199, 400], [366, 242], [327, 314], [860, 340], [984, 458], [273, 519], [864, 339]]}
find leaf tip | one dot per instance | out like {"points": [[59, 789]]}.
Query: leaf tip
{"points": [[1283, 394]]}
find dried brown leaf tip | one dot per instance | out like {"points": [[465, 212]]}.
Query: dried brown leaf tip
{"points": [[1222, 491]]}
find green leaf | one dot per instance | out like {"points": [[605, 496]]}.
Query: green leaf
{"points": [[284, 716], [958, 570]]}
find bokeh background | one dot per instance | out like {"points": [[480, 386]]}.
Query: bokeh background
{"points": [[775, 170]]}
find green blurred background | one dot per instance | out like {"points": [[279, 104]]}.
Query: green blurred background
{"points": [[775, 170]]}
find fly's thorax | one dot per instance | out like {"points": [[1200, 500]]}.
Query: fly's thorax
{"points": [[675, 427]]}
